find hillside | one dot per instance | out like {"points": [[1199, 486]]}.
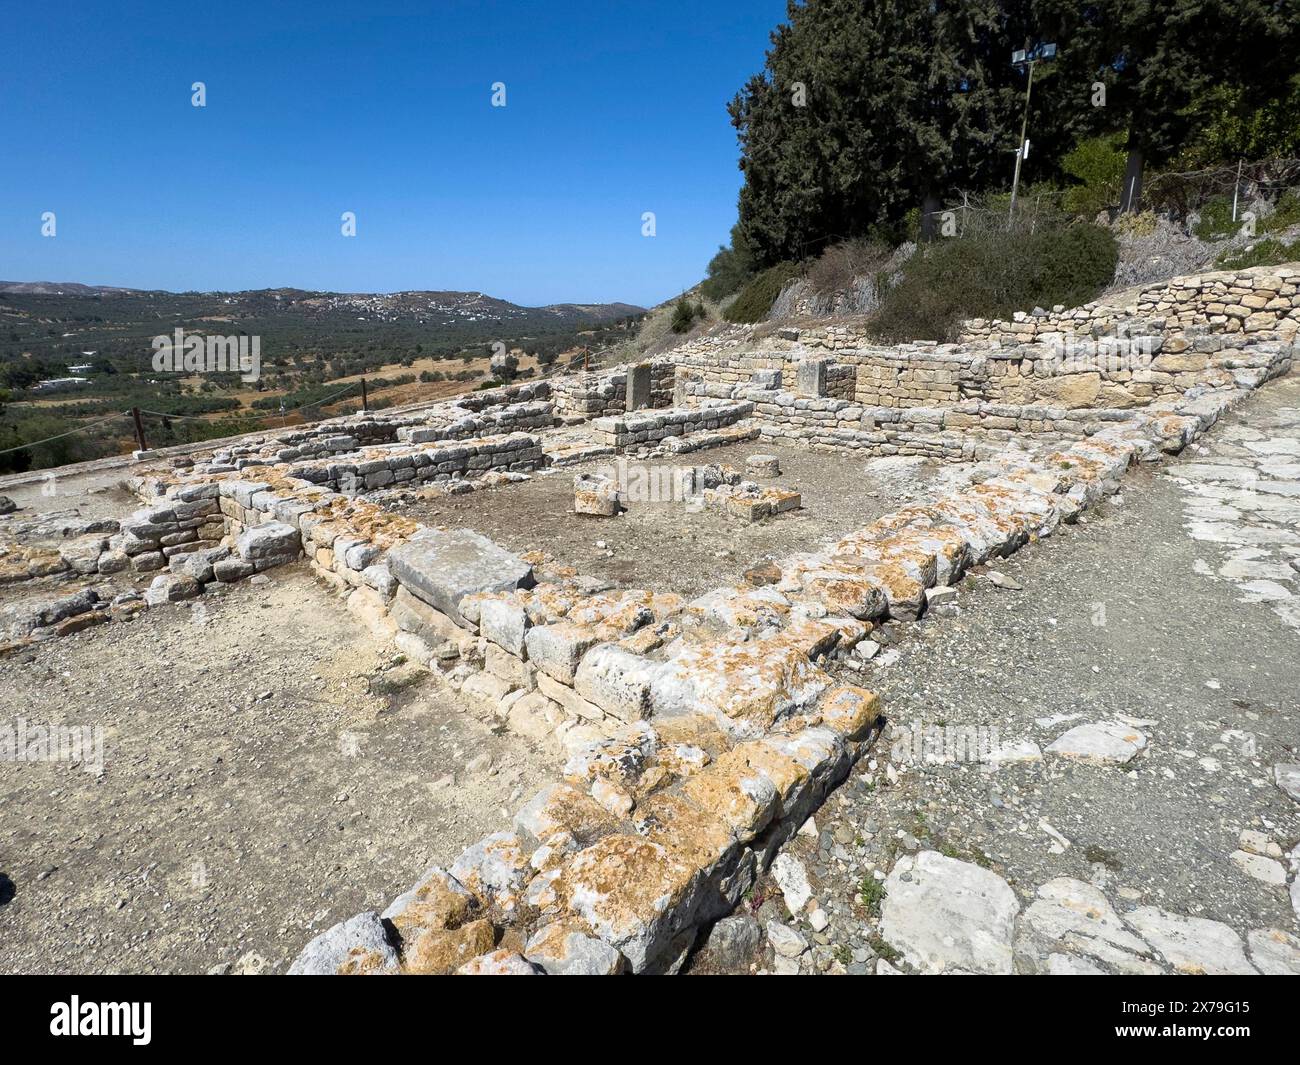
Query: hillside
{"points": [[72, 354]]}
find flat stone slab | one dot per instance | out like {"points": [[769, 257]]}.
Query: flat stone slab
{"points": [[947, 915], [1274, 952], [442, 568], [1191, 944], [1103, 743], [1288, 779]]}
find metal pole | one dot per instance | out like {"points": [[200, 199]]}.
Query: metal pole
{"points": [[364, 401], [1236, 189], [139, 429], [1020, 148]]}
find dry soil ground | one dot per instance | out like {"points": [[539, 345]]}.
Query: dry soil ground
{"points": [[668, 547], [268, 771]]}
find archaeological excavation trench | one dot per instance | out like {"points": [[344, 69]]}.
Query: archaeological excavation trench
{"points": [[663, 578]]}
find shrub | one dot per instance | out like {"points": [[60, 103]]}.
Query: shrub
{"points": [[1285, 214], [1142, 224], [1216, 221], [685, 313], [1265, 253], [990, 273], [1098, 165], [835, 270], [756, 298]]}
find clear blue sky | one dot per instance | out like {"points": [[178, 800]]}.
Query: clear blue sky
{"points": [[613, 109]]}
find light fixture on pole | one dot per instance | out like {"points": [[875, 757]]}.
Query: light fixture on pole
{"points": [[1026, 57]]}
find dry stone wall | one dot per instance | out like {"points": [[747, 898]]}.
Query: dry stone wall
{"points": [[591, 395], [1261, 300], [1175, 336]]}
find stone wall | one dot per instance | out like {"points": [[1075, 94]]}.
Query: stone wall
{"points": [[1175, 336], [650, 427], [700, 735], [1262, 300], [1068, 406], [440, 460], [592, 395]]}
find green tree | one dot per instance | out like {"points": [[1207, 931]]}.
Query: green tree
{"points": [[865, 110], [1098, 165], [1230, 128], [730, 268], [1161, 62]]}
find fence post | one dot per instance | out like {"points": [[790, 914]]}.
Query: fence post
{"points": [[364, 401], [139, 429]]}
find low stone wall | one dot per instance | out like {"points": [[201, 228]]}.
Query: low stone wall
{"points": [[701, 735], [442, 460], [1261, 300], [1174, 336], [448, 421], [593, 395], [975, 428], [650, 427]]}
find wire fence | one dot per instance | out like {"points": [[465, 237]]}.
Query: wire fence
{"points": [[168, 417]]}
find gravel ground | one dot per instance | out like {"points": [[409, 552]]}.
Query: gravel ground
{"points": [[1124, 615], [268, 771], [665, 547]]}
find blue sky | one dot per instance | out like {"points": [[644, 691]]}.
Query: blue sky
{"points": [[384, 109]]}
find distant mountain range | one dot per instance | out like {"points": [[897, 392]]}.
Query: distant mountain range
{"points": [[412, 306]]}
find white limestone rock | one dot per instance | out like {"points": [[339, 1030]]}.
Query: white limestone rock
{"points": [[1261, 868], [359, 944], [792, 878], [1191, 944], [785, 940], [564, 949], [944, 914], [1288, 779], [1274, 952], [1073, 916], [1100, 743]]}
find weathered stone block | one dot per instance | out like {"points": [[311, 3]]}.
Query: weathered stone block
{"points": [[557, 649], [268, 544], [357, 945], [442, 568], [505, 623], [617, 681]]}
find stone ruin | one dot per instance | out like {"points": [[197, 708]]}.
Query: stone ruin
{"points": [[700, 734]]}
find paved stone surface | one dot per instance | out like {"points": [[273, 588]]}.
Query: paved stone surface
{"points": [[947, 915], [1243, 502]]}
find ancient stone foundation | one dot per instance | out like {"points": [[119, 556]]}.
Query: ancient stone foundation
{"points": [[698, 735]]}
